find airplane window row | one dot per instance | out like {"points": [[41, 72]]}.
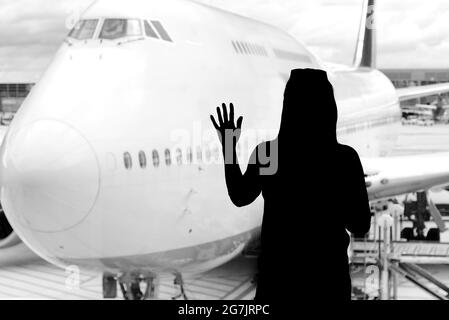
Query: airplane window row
{"points": [[249, 48], [169, 158], [113, 29]]}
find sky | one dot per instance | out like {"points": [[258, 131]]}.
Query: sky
{"points": [[411, 34]]}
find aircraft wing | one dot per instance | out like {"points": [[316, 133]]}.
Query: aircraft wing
{"points": [[421, 91], [392, 176]]}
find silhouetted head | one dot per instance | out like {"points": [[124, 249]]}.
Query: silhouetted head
{"points": [[309, 114]]}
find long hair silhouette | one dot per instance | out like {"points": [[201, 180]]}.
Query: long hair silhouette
{"points": [[316, 194]]}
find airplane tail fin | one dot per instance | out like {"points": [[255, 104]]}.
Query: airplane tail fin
{"points": [[365, 52]]}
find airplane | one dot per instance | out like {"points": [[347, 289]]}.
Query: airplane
{"points": [[111, 164], [436, 109]]}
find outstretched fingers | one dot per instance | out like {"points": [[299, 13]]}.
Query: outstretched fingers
{"points": [[231, 113], [239, 123], [220, 118], [225, 119], [214, 122], [225, 113]]}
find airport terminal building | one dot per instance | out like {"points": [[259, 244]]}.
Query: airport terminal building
{"points": [[402, 78], [14, 88]]}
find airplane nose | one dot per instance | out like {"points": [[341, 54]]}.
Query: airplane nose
{"points": [[49, 175]]}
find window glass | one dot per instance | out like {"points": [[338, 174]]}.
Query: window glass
{"points": [[113, 29], [156, 161], [133, 28], [242, 48], [142, 159], [128, 160], [250, 48], [216, 153], [247, 48], [160, 29], [167, 157], [189, 155], [84, 29], [208, 154], [12, 90], [199, 154], [119, 28], [149, 31], [179, 156], [235, 47], [239, 47], [3, 90]]}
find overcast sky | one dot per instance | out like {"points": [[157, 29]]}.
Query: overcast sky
{"points": [[412, 33]]}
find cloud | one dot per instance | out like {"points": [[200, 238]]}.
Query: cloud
{"points": [[411, 33], [32, 30]]}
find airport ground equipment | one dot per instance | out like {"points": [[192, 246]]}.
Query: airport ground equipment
{"points": [[133, 285], [394, 257]]}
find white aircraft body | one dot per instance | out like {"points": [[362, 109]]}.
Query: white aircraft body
{"points": [[91, 174]]}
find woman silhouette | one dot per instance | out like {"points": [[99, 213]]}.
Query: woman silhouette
{"points": [[316, 194]]}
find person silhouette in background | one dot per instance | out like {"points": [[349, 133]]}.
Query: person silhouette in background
{"points": [[313, 189]]}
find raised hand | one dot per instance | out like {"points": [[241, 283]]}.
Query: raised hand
{"points": [[227, 130]]}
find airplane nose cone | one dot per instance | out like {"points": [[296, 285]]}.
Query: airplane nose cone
{"points": [[49, 175]]}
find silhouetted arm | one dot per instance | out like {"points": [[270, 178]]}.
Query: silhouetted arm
{"points": [[358, 215], [243, 189]]}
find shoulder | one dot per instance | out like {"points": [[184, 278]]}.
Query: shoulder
{"points": [[349, 156], [348, 151]]}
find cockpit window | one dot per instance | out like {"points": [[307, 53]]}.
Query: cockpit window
{"points": [[149, 30], [84, 29], [119, 28], [160, 29]]}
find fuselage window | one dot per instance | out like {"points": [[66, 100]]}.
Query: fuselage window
{"points": [[255, 49], [250, 46], [128, 160], [208, 153], [119, 28], [244, 48], [239, 47], [156, 161], [84, 29], [142, 159], [247, 48], [199, 154], [149, 31], [189, 155], [216, 153], [162, 32], [235, 47], [167, 157], [179, 156]]}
